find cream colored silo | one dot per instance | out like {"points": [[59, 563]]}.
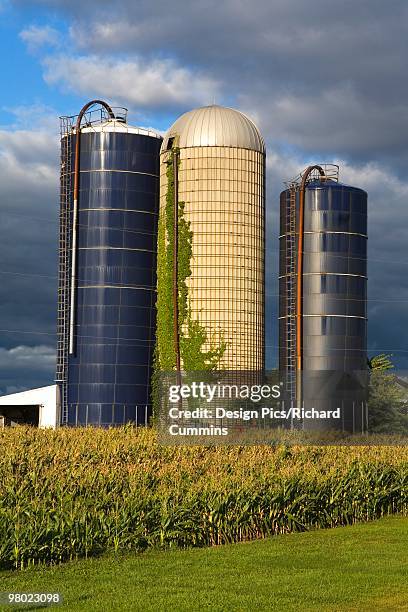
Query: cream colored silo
{"points": [[221, 180]]}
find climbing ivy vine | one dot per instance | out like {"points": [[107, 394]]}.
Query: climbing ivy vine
{"points": [[193, 336]]}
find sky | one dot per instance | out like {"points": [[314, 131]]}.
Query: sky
{"points": [[324, 81]]}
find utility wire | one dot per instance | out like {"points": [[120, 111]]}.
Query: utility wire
{"points": [[113, 284], [141, 342], [276, 250]]}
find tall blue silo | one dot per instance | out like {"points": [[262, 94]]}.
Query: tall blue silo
{"points": [[323, 297], [107, 272]]}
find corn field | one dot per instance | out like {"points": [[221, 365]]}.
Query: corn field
{"points": [[71, 493]]}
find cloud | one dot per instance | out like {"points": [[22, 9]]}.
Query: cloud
{"points": [[321, 79], [29, 154], [33, 117], [153, 84], [36, 37], [28, 236], [332, 122], [31, 366], [33, 358], [316, 44]]}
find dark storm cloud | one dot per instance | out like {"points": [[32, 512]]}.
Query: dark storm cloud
{"points": [[25, 367], [326, 77], [28, 256]]}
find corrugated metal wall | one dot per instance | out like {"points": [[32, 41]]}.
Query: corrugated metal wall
{"points": [[109, 375], [224, 193], [334, 297]]}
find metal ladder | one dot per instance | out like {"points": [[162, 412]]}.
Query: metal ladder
{"points": [[64, 266], [290, 279]]}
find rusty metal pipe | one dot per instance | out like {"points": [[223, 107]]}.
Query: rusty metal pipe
{"points": [[176, 331], [75, 216]]}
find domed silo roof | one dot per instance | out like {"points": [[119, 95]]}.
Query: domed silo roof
{"points": [[215, 126]]}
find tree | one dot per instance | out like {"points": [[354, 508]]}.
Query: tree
{"points": [[385, 400], [380, 362]]}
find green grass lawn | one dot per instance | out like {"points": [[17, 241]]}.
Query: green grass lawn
{"points": [[359, 568]]}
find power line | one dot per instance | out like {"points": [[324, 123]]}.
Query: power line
{"points": [[124, 342], [383, 350], [275, 250], [28, 274], [348, 299], [22, 331], [82, 280], [12, 213]]}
